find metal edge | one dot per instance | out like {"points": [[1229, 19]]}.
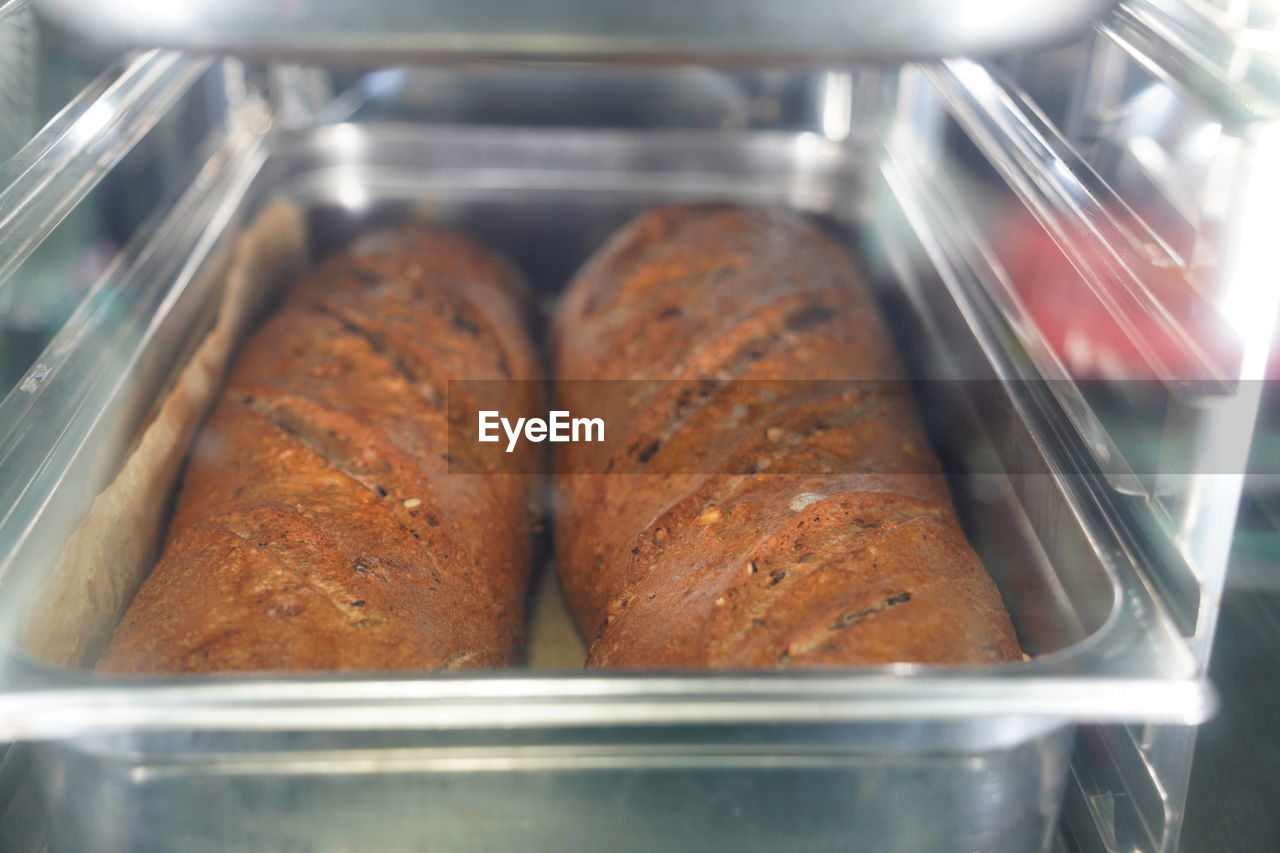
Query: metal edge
{"points": [[63, 162], [1088, 222], [1184, 58], [453, 704], [806, 32], [959, 255]]}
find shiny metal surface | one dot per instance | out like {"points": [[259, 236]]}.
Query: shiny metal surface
{"points": [[56, 169], [1119, 258], [759, 789], [1235, 73], [806, 32], [1173, 105], [1111, 247]]}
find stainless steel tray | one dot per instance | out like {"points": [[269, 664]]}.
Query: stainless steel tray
{"points": [[808, 32], [906, 758]]}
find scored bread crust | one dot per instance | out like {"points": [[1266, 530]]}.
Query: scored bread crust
{"points": [[317, 526], [773, 501]]}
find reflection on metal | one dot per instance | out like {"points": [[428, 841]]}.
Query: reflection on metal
{"points": [[58, 167], [807, 32], [1198, 57], [1115, 253], [1183, 106], [837, 105]]}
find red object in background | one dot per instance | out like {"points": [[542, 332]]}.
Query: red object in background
{"points": [[1116, 331]]}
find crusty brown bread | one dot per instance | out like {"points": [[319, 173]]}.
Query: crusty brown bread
{"points": [[796, 519], [317, 527]]}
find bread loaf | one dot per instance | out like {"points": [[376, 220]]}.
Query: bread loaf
{"points": [[317, 526], [788, 510]]}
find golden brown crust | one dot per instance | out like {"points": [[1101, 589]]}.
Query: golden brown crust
{"points": [[317, 526], [772, 507]]}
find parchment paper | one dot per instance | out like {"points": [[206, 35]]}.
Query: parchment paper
{"points": [[554, 642]]}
